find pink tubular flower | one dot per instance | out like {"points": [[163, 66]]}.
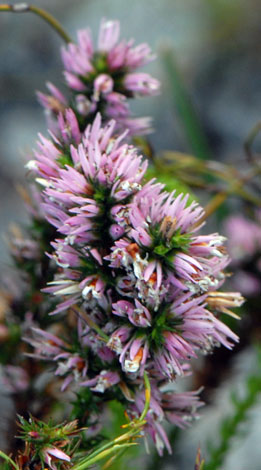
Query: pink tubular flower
{"points": [[55, 99], [105, 76], [85, 200], [172, 274], [159, 262], [50, 347], [181, 408], [51, 454], [102, 381], [134, 355], [80, 59], [141, 83], [178, 408], [53, 154], [137, 314]]}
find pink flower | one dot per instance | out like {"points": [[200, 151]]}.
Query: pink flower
{"points": [[244, 237], [50, 155], [70, 365], [105, 76], [103, 85], [141, 83], [137, 314], [178, 408], [51, 454], [103, 381]]}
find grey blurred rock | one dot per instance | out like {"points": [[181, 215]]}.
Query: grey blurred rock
{"points": [[245, 451]]}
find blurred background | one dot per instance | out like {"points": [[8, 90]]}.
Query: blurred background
{"points": [[216, 48]]}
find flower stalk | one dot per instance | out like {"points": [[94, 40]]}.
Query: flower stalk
{"points": [[46, 16], [122, 442], [9, 460]]}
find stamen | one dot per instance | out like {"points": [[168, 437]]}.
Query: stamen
{"points": [[168, 226]]}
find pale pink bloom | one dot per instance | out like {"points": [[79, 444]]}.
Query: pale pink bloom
{"points": [[103, 381], [76, 289], [137, 314], [244, 237], [48, 101], [118, 338], [108, 35], [134, 355], [50, 153], [68, 364], [142, 84], [178, 408], [52, 454], [136, 126], [181, 408], [103, 85], [105, 76], [72, 366], [46, 344]]}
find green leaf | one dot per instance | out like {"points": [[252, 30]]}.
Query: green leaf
{"points": [[164, 176], [186, 110], [161, 250]]}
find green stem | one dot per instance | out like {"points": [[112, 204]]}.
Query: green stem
{"points": [[118, 443], [104, 448], [147, 397], [101, 454], [24, 8], [212, 206], [91, 323], [250, 140], [118, 448], [8, 459]]}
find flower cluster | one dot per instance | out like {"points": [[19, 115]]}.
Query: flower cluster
{"points": [[103, 80], [133, 268]]}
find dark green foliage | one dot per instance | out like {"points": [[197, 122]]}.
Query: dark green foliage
{"points": [[14, 340], [164, 248], [162, 322], [65, 159]]}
